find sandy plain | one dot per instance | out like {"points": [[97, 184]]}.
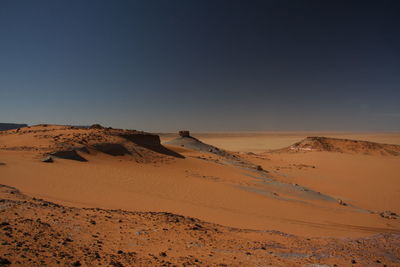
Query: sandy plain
{"points": [[305, 195]]}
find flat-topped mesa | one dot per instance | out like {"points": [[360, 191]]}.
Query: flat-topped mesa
{"points": [[69, 142], [184, 133]]}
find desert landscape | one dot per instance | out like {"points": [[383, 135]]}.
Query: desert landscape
{"points": [[95, 195], [200, 133]]}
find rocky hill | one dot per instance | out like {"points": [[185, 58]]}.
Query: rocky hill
{"points": [[343, 146], [69, 142]]}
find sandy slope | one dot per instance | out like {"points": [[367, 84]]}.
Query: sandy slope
{"points": [[297, 194], [201, 186], [35, 232], [372, 182]]}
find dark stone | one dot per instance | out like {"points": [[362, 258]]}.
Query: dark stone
{"points": [[4, 261], [4, 224], [96, 126], [389, 215], [48, 159], [77, 263], [116, 264], [68, 154], [184, 133]]}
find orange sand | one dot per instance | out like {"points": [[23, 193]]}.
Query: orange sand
{"points": [[200, 187]]}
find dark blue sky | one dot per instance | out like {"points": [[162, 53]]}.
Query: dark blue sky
{"points": [[202, 65]]}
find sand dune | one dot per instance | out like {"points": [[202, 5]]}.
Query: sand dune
{"points": [[319, 194]]}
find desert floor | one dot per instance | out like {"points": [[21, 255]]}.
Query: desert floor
{"points": [[298, 195], [263, 141]]}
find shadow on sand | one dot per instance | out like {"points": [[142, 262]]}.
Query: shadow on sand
{"points": [[152, 142]]}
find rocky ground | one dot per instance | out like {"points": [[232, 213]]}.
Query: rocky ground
{"points": [[35, 232]]}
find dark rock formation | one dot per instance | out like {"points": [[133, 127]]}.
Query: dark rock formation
{"points": [[184, 133], [48, 159], [389, 214], [68, 154], [96, 126]]}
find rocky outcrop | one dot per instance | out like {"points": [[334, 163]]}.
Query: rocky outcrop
{"points": [[68, 154], [328, 144], [389, 215], [48, 159], [184, 133], [69, 142], [143, 139], [96, 126]]}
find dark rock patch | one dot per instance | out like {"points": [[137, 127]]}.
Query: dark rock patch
{"points": [[184, 133], [96, 126], [68, 154], [48, 159], [4, 262]]}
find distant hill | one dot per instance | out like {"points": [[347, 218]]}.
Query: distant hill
{"points": [[315, 143], [10, 126]]}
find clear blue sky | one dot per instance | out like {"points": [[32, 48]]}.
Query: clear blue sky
{"points": [[202, 65]]}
